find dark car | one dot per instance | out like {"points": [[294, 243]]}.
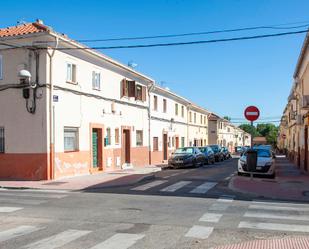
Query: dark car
{"points": [[226, 153], [209, 154], [186, 157], [218, 152]]}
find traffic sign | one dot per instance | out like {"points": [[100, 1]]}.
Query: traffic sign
{"points": [[252, 113]]}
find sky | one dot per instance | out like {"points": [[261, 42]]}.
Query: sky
{"points": [[221, 77]]}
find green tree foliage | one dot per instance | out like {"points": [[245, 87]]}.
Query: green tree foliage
{"points": [[227, 118], [270, 131], [250, 129]]}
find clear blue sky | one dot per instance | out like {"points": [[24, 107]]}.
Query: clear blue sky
{"points": [[222, 77]]}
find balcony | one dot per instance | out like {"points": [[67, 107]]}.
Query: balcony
{"points": [[305, 102]]}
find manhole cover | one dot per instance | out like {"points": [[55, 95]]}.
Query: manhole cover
{"points": [[54, 183]]}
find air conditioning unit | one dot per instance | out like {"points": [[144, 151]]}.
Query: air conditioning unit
{"points": [[305, 102], [299, 119]]}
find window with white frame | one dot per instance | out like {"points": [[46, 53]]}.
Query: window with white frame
{"points": [[70, 138], [1, 67], [71, 72], [2, 144], [96, 80], [108, 137], [139, 138]]}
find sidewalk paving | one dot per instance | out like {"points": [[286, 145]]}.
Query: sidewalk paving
{"points": [[92, 181], [290, 183], [301, 242]]}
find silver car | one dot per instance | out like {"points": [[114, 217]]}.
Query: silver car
{"points": [[265, 163]]}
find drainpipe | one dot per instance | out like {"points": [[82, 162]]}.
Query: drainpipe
{"points": [[151, 87], [51, 114], [188, 110]]}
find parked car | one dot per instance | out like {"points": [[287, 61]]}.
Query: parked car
{"points": [[265, 163], [209, 154], [226, 153], [239, 150], [218, 152], [186, 157]]}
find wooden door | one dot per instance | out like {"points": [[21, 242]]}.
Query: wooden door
{"points": [[164, 146]]}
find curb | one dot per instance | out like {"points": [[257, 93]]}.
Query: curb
{"points": [[140, 179], [252, 194]]}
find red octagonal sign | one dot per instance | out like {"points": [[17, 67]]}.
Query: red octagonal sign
{"points": [[252, 113]]}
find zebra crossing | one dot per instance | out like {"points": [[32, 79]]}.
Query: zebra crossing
{"points": [[276, 216], [202, 188]]}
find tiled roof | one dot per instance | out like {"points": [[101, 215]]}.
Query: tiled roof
{"points": [[23, 29]]}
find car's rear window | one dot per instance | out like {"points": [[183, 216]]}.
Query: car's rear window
{"points": [[184, 151]]}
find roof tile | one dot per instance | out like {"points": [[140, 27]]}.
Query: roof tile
{"points": [[23, 29]]}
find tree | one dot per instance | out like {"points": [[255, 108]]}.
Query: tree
{"points": [[250, 129], [227, 118]]}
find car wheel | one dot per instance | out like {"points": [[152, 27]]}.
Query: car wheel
{"points": [[213, 161], [207, 161], [272, 176], [239, 173]]}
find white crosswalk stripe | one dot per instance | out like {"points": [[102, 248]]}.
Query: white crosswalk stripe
{"points": [[219, 206], [176, 186], [279, 208], [32, 195], [274, 226], [211, 217], [57, 240], [199, 232], [283, 216], [149, 185], [226, 198], [119, 241], [9, 209], [203, 188], [16, 232]]}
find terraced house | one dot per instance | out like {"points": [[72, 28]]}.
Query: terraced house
{"points": [[293, 135], [69, 110]]}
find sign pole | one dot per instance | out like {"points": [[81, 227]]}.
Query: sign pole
{"points": [[251, 174]]}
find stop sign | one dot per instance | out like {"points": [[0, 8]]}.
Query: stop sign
{"points": [[252, 113]]}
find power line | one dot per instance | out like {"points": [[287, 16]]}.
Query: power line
{"points": [[196, 33], [188, 43]]}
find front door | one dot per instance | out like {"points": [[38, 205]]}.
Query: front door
{"points": [[164, 146], [126, 145], [177, 142], [95, 148]]}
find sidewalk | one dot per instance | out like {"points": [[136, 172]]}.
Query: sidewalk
{"points": [[93, 181], [290, 183], [284, 243]]}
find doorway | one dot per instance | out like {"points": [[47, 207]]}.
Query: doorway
{"points": [[126, 145], [164, 146], [96, 148], [177, 142]]}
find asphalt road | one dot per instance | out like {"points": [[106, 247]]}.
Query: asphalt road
{"points": [[185, 208]]}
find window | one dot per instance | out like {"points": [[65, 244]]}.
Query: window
{"points": [[138, 92], [108, 137], [70, 139], [155, 103], [1, 67], [2, 145], [139, 138], [176, 109], [169, 142], [155, 143], [164, 105], [96, 80], [195, 118], [204, 119], [182, 111], [71, 72], [190, 116], [173, 141], [117, 136], [182, 141], [201, 119]]}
